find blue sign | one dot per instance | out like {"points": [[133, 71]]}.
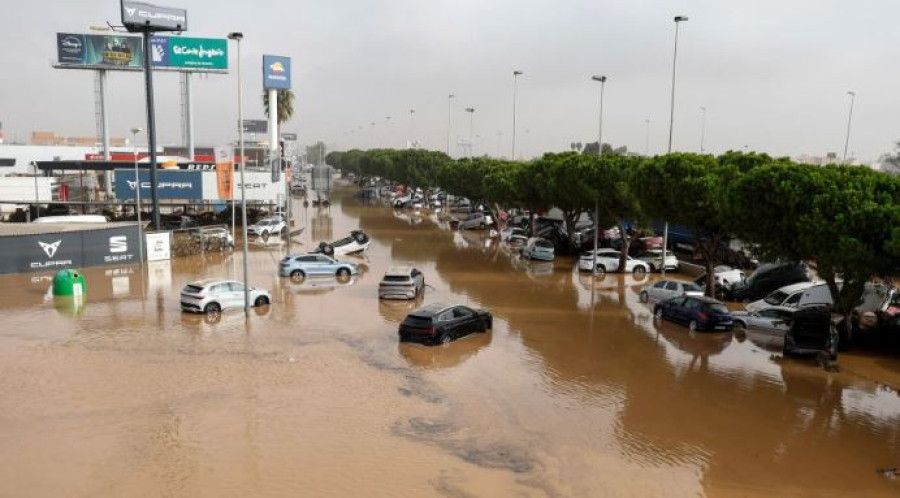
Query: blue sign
{"points": [[70, 48], [159, 51], [276, 72], [171, 184]]}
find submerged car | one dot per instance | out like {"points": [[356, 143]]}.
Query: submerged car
{"points": [[315, 265], [213, 238], [213, 296], [667, 289], [697, 312], [356, 242], [812, 332], [267, 227], [608, 261], [774, 320], [789, 295], [401, 282], [476, 220], [653, 257], [538, 248], [441, 323], [514, 236], [766, 279]]}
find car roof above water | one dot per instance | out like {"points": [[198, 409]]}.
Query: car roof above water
{"points": [[429, 310], [398, 271]]}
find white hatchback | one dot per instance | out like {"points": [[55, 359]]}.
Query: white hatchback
{"points": [[608, 261]]}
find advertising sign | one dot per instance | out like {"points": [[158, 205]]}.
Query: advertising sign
{"points": [[255, 126], [224, 172], [189, 53], [171, 184], [159, 246], [56, 251], [276, 72], [126, 52], [139, 16], [290, 137], [99, 50]]}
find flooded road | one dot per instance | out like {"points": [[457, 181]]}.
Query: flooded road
{"points": [[576, 391]]}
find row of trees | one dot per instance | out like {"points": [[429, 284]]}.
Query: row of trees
{"points": [[843, 220]]}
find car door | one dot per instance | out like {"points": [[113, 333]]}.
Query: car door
{"points": [[688, 310], [446, 323], [674, 309], [323, 265], [235, 295], [658, 291], [673, 289]]}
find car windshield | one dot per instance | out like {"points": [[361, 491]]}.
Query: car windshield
{"points": [[776, 297], [263, 222], [543, 244]]}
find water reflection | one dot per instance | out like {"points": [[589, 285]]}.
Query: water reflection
{"points": [[446, 356]]}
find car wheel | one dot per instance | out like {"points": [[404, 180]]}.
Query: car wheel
{"points": [[740, 326], [212, 308], [445, 338], [261, 301], [639, 270], [652, 267], [693, 326], [600, 270], [298, 275], [645, 297], [658, 313], [343, 273]]}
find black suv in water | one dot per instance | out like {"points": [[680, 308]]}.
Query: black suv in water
{"points": [[767, 278], [441, 323]]}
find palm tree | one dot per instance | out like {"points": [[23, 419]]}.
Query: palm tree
{"points": [[285, 104]]}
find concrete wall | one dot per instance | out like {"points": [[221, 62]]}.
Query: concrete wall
{"points": [[21, 188]]}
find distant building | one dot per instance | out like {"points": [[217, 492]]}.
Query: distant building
{"points": [[50, 138]]}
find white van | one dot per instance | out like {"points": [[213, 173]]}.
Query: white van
{"points": [[789, 295]]}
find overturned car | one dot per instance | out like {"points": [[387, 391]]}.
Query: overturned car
{"points": [[356, 242]]}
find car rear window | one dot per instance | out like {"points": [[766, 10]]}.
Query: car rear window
{"points": [[418, 321], [716, 308], [396, 278], [192, 289], [692, 288]]}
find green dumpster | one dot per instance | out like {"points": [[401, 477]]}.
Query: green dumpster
{"points": [[68, 283]]}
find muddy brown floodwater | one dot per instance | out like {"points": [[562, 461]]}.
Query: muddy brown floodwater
{"points": [[576, 391]]}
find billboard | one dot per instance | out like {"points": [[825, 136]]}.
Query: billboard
{"points": [[56, 251], [126, 52], [171, 184], [139, 16], [189, 53], [255, 126], [225, 172], [103, 51], [276, 72]]}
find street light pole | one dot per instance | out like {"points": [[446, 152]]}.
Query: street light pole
{"points": [[602, 80], [516, 75], [647, 138], [412, 129], [471, 111], [849, 122], [678, 20], [237, 36], [137, 193], [449, 119], [702, 128]]}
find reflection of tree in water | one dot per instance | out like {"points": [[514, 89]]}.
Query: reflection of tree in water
{"points": [[321, 225]]}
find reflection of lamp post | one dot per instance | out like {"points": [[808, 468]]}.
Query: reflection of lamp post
{"points": [[137, 193], [237, 36]]}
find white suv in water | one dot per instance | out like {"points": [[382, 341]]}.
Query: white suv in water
{"points": [[267, 227], [213, 296], [401, 282]]}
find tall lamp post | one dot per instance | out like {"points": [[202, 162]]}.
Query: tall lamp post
{"points": [[471, 111], [602, 80], [702, 128], [647, 138], [516, 75], [449, 119], [849, 122], [678, 20], [412, 128], [137, 193], [237, 37]]}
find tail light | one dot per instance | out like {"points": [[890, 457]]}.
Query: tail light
{"points": [[702, 315], [432, 331]]}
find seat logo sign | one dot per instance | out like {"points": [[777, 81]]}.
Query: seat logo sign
{"points": [[118, 243], [50, 249]]}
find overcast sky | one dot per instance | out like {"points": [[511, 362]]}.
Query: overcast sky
{"points": [[773, 74]]}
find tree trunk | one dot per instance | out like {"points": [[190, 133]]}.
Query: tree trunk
{"points": [[626, 243], [708, 250]]}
